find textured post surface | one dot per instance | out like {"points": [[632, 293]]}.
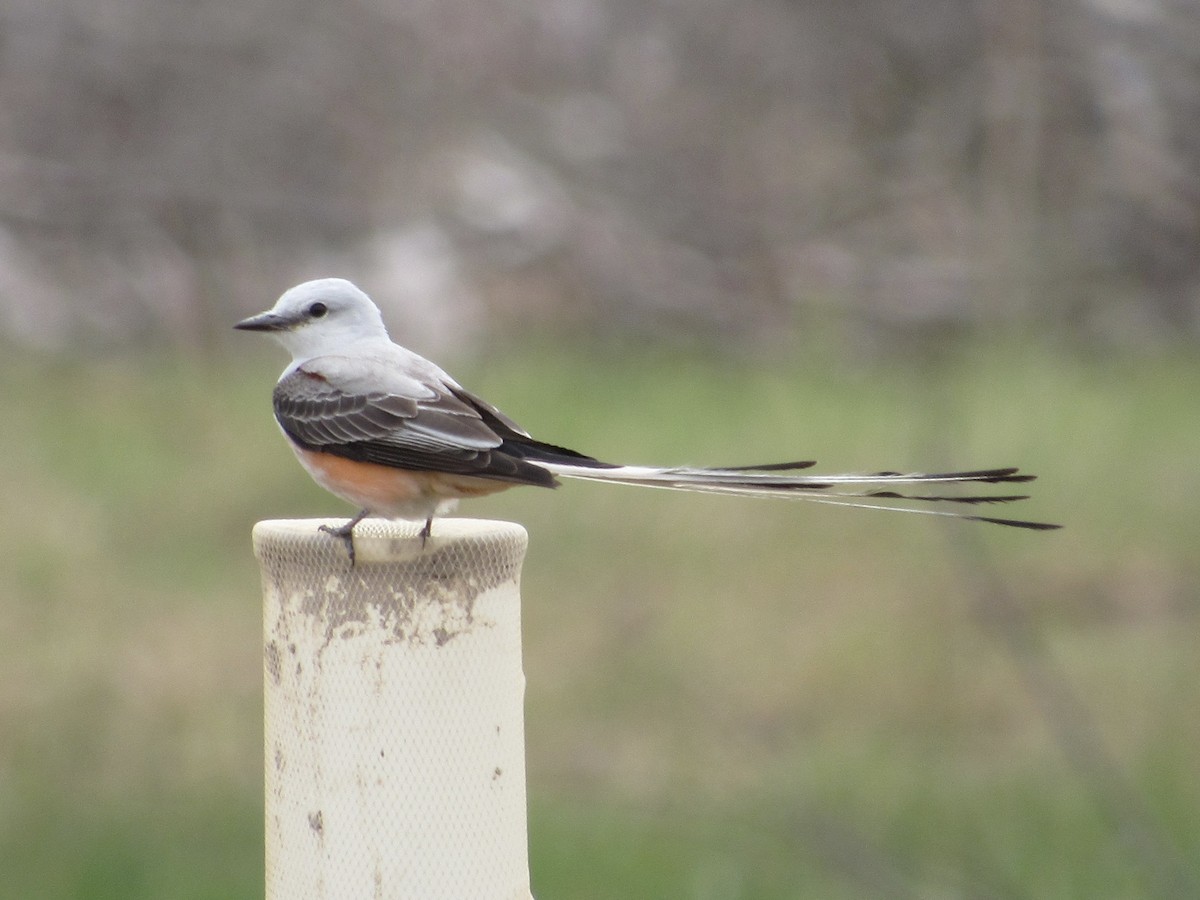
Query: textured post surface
{"points": [[394, 737]]}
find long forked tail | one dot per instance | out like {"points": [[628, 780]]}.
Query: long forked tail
{"points": [[882, 490]]}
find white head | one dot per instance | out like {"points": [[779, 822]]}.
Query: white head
{"points": [[320, 317]]}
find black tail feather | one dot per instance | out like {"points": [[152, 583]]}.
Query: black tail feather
{"points": [[772, 467], [948, 498], [1015, 523]]}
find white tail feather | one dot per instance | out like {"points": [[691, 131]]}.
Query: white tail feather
{"points": [[826, 489]]}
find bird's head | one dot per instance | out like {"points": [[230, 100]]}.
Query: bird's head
{"points": [[320, 318]]}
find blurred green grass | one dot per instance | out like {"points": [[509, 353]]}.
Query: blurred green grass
{"points": [[726, 699]]}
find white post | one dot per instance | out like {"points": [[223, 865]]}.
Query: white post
{"points": [[394, 751]]}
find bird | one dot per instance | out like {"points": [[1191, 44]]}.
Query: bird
{"points": [[392, 433]]}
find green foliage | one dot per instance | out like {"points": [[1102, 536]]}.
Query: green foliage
{"points": [[726, 699]]}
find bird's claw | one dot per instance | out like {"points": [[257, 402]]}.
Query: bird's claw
{"points": [[345, 533]]}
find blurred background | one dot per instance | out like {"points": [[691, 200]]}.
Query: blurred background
{"points": [[902, 234]]}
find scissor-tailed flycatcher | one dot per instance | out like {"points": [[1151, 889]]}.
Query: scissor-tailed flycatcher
{"points": [[389, 431]]}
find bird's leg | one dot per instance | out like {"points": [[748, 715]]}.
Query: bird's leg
{"points": [[346, 532], [426, 532]]}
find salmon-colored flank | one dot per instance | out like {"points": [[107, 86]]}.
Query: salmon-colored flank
{"points": [[387, 490]]}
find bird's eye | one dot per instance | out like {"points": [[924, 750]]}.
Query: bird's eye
{"points": [[317, 310]]}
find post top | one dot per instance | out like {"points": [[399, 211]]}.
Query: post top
{"points": [[379, 540]]}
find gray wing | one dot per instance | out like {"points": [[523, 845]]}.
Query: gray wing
{"points": [[426, 424]]}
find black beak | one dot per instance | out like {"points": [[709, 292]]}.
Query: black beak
{"points": [[267, 321]]}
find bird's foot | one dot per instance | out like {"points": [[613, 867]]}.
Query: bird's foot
{"points": [[345, 533]]}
